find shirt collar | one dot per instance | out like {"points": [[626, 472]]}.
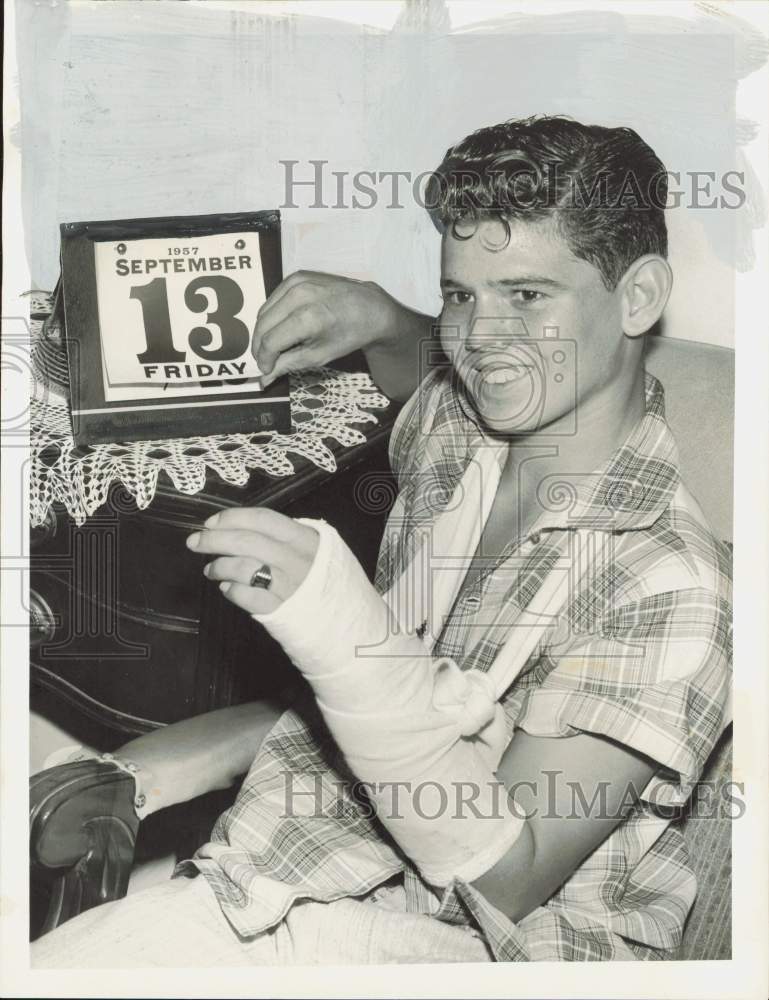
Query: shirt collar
{"points": [[630, 491]]}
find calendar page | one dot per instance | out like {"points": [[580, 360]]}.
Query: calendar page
{"points": [[159, 317], [177, 315]]}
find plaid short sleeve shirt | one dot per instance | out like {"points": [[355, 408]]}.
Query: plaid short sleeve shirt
{"points": [[640, 654]]}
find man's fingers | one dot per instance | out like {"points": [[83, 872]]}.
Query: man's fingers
{"points": [[256, 532], [297, 308], [297, 278], [271, 313], [261, 519], [245, 538], [292, 281], [300, 341], [251, 599], [299, 359], [234, 569], [301, 286], [251, 544], [275, 310], [295, 327]]}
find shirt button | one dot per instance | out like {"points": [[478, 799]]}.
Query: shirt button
{"points": [[535, 538]]}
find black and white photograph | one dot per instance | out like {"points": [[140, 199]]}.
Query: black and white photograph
{"points": [[385, 398]]}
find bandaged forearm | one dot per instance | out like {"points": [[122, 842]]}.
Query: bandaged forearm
{"points": [[403, 719]]}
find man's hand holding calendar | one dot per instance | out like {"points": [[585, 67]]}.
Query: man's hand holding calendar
{"points": [[312, 318]]}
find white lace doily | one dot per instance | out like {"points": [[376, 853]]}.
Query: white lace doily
{"points": [[324, 403]]}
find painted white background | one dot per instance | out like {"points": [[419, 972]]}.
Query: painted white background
{"points": [[148, 108]]}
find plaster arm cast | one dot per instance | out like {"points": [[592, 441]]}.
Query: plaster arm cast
{"points": [[400, 715]]}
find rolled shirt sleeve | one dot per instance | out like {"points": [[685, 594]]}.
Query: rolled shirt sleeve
{"points": [[654, 677]]}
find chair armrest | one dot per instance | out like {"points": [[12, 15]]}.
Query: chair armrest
{"points": [[707, 830], [82, 834], [83, 826]]}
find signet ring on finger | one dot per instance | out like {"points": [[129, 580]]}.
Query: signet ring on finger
{"points": [[261, 578]]}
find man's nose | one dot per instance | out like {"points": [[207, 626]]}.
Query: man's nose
{"points": [[488, 333]]}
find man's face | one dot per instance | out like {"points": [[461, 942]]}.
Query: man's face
{"points": [[531, 329]]}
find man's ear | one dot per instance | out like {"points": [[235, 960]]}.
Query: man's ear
{"points": [[645, 289]]}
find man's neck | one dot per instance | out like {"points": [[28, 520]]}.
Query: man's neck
{"points": [[604, 422]]}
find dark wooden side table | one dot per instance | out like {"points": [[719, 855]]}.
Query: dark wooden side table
{"points": [[127, 634]]}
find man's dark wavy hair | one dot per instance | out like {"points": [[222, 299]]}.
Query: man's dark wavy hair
{"points": [[605, 188]]}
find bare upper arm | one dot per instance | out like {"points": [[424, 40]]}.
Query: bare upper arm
{"points": [[573, 791]]}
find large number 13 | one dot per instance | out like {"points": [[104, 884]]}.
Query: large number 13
{"points": [[153, 298]]}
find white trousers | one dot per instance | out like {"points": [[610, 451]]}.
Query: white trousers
{"points": [[179, 924]]}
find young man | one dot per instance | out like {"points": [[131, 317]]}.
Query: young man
{"points": [[543, 667]]}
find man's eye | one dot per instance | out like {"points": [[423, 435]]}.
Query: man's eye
{"points": [[527, 295], [457, 298]]}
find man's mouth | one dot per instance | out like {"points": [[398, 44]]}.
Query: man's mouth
{"points": [[503, 376]]}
